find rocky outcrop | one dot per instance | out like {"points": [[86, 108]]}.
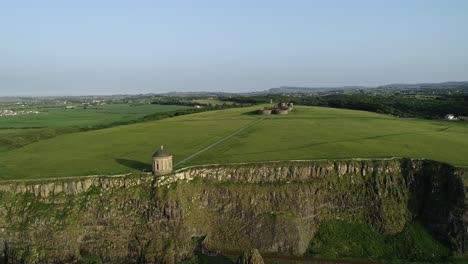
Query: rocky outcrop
{"points": [[73, 186], [252, 257], [281, 171], [275, 207]]}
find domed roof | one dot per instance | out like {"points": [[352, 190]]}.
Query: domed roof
{"points": [[161, 153]]}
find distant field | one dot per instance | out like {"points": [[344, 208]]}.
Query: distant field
{"points": [[80, 117], [211, 101], [16, 131], [306, 133]]}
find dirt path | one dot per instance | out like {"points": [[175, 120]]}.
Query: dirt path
{"points": [[219, 141]]}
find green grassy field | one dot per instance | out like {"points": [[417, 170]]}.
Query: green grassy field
{"points": [[58, 116], [325, 133], [17, 131], [306, 133]]}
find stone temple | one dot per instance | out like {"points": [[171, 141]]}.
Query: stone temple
{"points": [[162, 162]]}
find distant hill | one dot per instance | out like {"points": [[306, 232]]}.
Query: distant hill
{"points": [[306, 90], [351, 89], [314, 90], [423, 85], [197, 94]]}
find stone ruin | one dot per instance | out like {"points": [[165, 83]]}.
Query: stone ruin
{"points": [[280, 109]]}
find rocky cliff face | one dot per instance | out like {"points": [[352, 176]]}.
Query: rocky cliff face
{"points": [[275, 207]]}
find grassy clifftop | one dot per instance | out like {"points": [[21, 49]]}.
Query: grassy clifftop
{"points": [[306, 133]]}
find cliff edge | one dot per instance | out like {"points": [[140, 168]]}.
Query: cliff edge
{"points": [[274, 207]]}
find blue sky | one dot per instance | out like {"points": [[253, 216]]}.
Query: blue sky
{"points": [[108, 47]]}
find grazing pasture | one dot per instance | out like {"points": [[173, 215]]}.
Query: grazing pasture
{"points": [[306, 133], [20, 130]]}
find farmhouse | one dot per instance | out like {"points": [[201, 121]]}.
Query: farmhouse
{"points": [[450, 117], [162, 162]]}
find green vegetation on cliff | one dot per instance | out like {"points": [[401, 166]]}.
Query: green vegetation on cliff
{"points": [[306, 133], [341, 239]]}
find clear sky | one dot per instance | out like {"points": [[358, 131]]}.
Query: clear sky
{"points": [[111, 46]]}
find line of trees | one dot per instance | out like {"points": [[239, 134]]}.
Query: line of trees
{"points": [[397, 105]]}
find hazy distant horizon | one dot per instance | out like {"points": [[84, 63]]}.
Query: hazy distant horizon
{"points": [[104, 47], [218, 91]]}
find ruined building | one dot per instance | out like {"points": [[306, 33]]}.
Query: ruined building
{"points": [[280, 109]]}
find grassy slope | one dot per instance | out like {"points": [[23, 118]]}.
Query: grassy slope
{"points": [[115, 150], [315, 133], [307, 133], [16, 131]]}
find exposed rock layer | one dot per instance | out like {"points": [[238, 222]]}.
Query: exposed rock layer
{"points": [[275, 207]]}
